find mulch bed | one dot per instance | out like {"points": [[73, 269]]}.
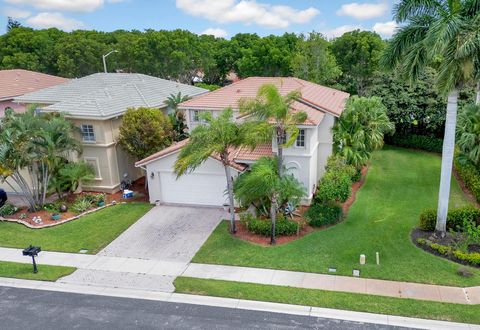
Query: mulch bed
{"points": [[447, 240], [355, 188], [138, 187], [244, 234]]}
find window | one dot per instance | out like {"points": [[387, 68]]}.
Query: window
{"points": [[93, 162], [196, 116], [88, 134], [301, 139]]}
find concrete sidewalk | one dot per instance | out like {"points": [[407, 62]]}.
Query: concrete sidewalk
{"points": [[106, 271]]}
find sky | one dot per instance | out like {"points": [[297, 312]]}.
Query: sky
{"points": [[222, 18]]}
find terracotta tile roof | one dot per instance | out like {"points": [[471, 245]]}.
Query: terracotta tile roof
{"points": [[179, 145], [247, 154], [167, 151], [328, 99], [18, 82]]}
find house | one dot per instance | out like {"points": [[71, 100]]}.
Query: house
{"points": [[15, 83], [306, 159], [95, 104]]}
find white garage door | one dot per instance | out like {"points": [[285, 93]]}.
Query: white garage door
{"points": [[194, 188]]}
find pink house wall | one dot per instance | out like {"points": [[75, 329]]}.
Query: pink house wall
{"points": [[8, 103]]}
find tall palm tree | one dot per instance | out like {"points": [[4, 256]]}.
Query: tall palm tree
{"points": [[271, 110], [177, 117], [437, 29], [221, 136]]}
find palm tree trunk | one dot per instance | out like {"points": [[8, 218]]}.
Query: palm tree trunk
{"points": [[228, 174], [477, 101], [447, 161], [273, 219]]}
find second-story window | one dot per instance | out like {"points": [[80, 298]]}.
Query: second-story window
{"points": [[300, 139], [88, 134]]}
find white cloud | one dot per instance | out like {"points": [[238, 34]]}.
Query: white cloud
{"points": [[63, 5], [339, 31], [219, 33], [16, 13], [362, 11], [247, 12], [386, 29], [49, 20]]}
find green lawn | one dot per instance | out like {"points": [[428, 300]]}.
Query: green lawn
{"points": [[330, 299], [91, 232], [400, 184], [25, 271]]}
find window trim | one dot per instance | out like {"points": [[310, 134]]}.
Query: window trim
{"points": [[97, 162], [301, 133], [92, 133]]}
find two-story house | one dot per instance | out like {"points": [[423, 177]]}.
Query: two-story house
{"points": [[306, 159], [96, 104]]}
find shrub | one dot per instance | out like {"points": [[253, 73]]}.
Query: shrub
{"points": [[470, 175], [82, 204], [472, 258], [334, 187], [8, 209], [338, 164], [283, 226], [323, 214], [413, 141], [455, 218]]}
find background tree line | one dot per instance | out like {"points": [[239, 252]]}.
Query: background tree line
{"points": [[350, 63]]}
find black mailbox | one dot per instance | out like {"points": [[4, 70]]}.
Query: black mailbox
{"points": [[32, 251]]}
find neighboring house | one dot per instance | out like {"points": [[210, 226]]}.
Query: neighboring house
{"points": [[95, 104], [306, 159], [14, 83]]}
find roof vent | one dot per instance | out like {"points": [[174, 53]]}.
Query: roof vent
{"points": [[238, 90]]}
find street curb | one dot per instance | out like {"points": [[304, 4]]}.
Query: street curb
{"points": [[237, 304]]}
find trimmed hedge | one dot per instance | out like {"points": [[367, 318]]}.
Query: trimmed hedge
{"points": [[455, 218], [334, 187], [470, 258], [283, 226], [413, 141], [470, 175], [324, 214]]}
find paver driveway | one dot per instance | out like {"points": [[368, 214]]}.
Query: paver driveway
{"points": [[169, 233]]}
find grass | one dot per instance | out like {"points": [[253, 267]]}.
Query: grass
{"points": [[330, 299], [25, 271], [91, 232], [399, 185]]}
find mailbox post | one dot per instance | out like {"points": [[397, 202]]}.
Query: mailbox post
{"points": [[32, 251]]}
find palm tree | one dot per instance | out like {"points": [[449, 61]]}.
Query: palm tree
{"points": [[437, 29], [271, 110], [360, 129], [39, 143], [468, 133], [221, 136], [263, 181], [177, 118]]}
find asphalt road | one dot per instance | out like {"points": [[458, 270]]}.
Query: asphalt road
{"points": [[36, 309]]}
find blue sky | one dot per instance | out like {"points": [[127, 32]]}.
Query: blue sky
{"points": [[222, 18]]}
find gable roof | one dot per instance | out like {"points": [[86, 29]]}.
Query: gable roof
{"points": [[106, 95], [313, 95], [18, 82]]}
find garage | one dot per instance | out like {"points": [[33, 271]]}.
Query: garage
{"points": [[205, 186], [195, 188]]}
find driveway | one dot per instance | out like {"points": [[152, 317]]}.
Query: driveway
{"points": [[167, 233]]}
